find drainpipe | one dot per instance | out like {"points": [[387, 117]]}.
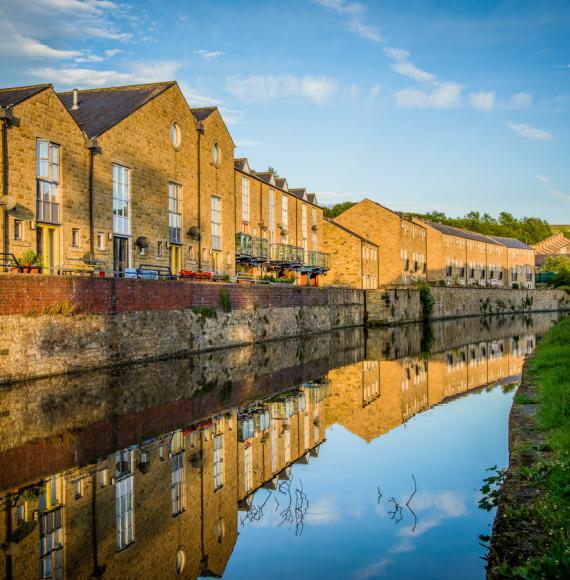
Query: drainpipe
{"points": [[200, 127], [93, 150], [6, 117]]}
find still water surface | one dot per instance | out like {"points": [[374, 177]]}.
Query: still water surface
{"points": [[341, 456]]}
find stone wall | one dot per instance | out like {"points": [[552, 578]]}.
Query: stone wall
{"points": [[120, 321], [397, 305]]}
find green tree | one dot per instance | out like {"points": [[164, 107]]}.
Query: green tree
{"points": [[556, 264], [337, 208]]}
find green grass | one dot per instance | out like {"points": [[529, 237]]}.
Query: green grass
{"points": [[550, 369]]}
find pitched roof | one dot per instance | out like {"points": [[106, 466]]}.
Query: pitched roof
{"points": [[12, 96], [242, 164], [349, 231], [281, 182], [101, 109], [458, 232], [312, 197], [553, 245], [299, 192], [266, 176], [511, 242], [202, 113]]}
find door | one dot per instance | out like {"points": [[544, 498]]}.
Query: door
{"points": [[217, 262], [48, 248], [120, 253], [175, 259]]}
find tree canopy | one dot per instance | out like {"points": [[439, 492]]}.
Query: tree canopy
{"points": [[337, 208], [556, 263], [529, 230]]}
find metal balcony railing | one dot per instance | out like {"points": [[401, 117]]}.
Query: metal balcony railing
{"points": [[251, 249], [287, 255], [317, 261], [47, 212]]}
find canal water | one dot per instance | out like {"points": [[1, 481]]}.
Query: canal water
{"points": [[347, 455]]}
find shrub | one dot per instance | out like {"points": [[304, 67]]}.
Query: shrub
{"points": [[225, 300], [427, 300]]}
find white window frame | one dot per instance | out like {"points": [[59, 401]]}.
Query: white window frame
{"points": [[121, 200], [245, 200], [216, 216]]}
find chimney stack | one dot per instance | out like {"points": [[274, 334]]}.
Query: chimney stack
{"points": [[75, 104]]}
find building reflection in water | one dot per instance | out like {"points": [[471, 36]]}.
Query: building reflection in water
{"points": [[170, 503]]}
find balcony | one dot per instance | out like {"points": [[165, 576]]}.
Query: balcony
{"points": [[250, 249], [286, 255], [317, 262], [47, 212]]}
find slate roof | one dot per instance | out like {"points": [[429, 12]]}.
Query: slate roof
{"points": [[280, 181], [240, 163], [101, 109], [349, 231], [553, 245], [202, 113], [458, 232], [312, 197], [264, 175], [10, 97], [299, 192], [511, 243]]}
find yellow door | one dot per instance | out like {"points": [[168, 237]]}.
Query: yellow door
{"points": [[48, 248], [217, 262], [175, 259]]}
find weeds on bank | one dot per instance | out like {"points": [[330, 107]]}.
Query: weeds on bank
{"points": [[550, 510], [63, 308]]}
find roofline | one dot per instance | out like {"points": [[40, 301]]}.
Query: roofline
{"points": [[40, 88], [383, 207], [215, 110], [117, 87], [349, 231], [254, 176], [166, 87], [469, 233]]}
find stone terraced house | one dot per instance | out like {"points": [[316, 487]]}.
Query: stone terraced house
{"points": [[278, 229]]}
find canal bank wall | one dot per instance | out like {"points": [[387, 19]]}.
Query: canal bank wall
{"points": [[53, 325], [398, 305]]}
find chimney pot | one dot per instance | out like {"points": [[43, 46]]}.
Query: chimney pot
{"points": [[75, 104]]}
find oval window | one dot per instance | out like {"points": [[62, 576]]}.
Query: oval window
{"points": [[217, 155], [180, 561], [175, 135]]}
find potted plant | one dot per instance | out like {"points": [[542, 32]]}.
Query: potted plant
{"points": [[28, 259]]}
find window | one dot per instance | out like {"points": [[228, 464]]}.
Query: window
{"points": [[174, 213], [248, 468], [284, 211], [216, 223], [124, 509], [104, 477], [121, 200], [218, 461], [75, 237], [159, 249], [100, 241], [175, 136], [51, 544], [216, 155], [287, 442], [273, 447], [245, 200], [78, 488], [304, 225], [18, 230], [271, 216], [22, 513], [177, 488], [47, 182]]}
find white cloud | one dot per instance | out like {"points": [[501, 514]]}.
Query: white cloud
{"points": [[12, 43], [409, 69], [483, 101], [444, 96], [324, 512], [208, 54], [92, 78], [521, 101], [373, 570], [529, 132], [552, 189], [355, 14], [318, 90], [375, 91], [399, 54], [113, 52]]}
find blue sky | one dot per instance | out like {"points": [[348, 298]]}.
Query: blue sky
{"points": [[448, 106]]}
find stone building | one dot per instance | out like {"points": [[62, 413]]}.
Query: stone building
{"points": [[401, 243], [278, 230], [555, 245], [127, 175], [520, 262], [164, 507], [354, 259]]}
